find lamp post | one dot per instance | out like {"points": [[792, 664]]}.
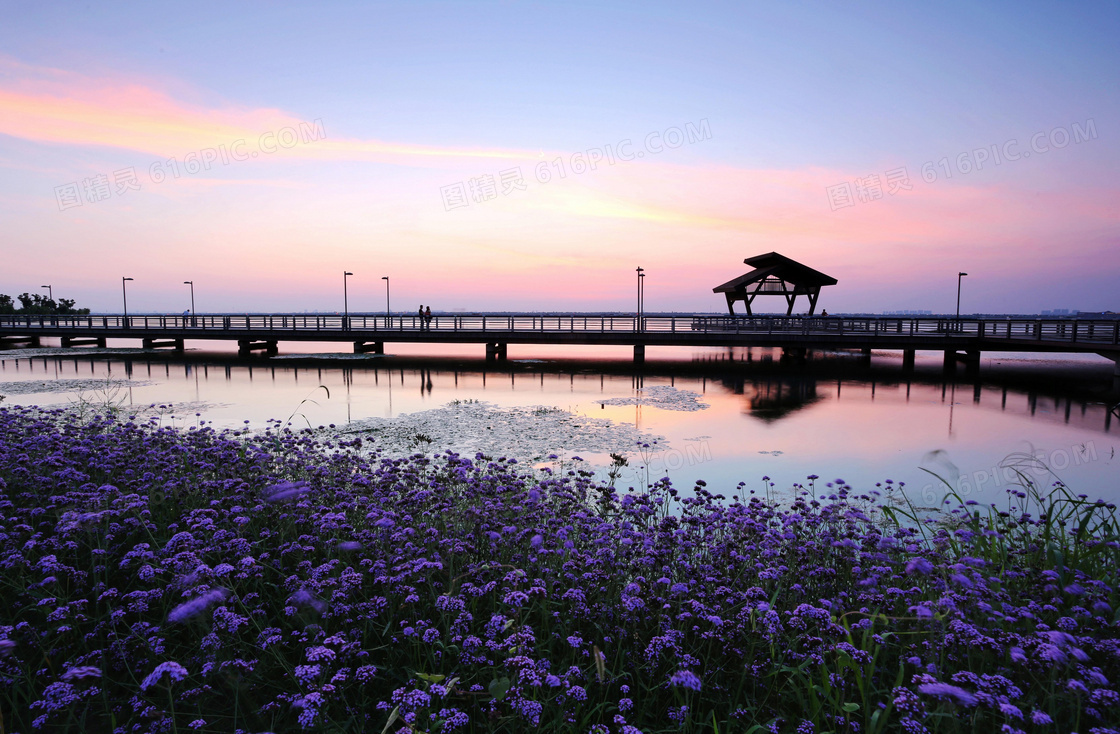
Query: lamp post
{"points": [[959, 276], [640, 269], [50, 293], [345, 301], [387, 317], [642, 291], [124, 296], [191, 284]]}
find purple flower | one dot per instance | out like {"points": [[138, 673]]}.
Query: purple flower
{"points": [[686, 679], [945, 690], [285, 491], [919, 565], [198, 605], [81, 672], [304, 598], [1041, 718], [173, 670]]}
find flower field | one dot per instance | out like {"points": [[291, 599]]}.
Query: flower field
{"points": [[166, 580]]}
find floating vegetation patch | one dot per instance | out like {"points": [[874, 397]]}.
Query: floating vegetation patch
{"points": [[528, 434], [664, 397]]}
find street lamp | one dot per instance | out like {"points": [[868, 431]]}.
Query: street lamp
{"points": [[640, 295], [191, 284], [124, 295], [642, 292], [959, 276], [50, 293], [345, 299], [386, 279]]}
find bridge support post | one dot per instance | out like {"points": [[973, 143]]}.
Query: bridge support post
{"points": [[794, 354], [971, 359], [865, 356], [639, 353], [364, 347], [1115, 374], [908, 360], [245, 347], [151, 343], [83, 341], [495, 351], [18, 341]]}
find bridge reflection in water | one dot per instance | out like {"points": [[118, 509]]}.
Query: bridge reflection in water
{"points": [[771, 389]]}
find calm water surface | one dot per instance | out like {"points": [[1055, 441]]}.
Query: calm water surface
{"points": [[831, 416]]}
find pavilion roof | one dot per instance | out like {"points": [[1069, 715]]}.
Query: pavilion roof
{"points": [[775, 265]]}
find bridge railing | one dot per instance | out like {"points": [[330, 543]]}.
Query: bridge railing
{"points": [[1082, 331]]}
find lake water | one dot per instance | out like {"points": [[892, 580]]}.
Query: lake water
{"points": [[724, 416]]}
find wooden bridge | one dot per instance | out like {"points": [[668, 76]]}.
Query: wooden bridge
{"points": [[959, 339]]}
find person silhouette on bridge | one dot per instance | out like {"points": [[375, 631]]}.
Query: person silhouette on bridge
{"points": [[428, 318], [420, 312]]}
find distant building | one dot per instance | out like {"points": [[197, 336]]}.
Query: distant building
{"points": [[907, 313], [1058, 312]]}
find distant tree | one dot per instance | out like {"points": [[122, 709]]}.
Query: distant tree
{"points": [[66, 306], [34, 303]]}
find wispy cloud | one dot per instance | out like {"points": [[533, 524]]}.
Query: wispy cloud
{"points": [[62, 107]]}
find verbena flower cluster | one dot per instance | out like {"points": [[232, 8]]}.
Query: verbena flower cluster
{"points": [[158, 580]]}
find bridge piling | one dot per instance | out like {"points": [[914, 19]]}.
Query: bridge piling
{"points": [[795, 355], [18, 341], [153, 343], [245, 347], [908, 360], [77, 341], [639, 353], [495, 351], [970, 358]]}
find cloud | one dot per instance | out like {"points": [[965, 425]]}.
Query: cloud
{"points": [[56, 106]]}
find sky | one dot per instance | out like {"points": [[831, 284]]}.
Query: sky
{"points": [[530, 156]]}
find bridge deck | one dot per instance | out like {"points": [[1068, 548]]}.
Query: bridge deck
{"points": [[1101, 336]]}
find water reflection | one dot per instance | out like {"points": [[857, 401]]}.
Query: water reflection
{"points": [[829, 414], [771, 399]]}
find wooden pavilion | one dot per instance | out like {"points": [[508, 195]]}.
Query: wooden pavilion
{"points": [[774, 275]]}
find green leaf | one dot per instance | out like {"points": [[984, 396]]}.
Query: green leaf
{"points": [[499, 687], [850, 707], [396, 714]]}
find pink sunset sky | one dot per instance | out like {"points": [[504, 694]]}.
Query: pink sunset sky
{"points": [[260, 151]]}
